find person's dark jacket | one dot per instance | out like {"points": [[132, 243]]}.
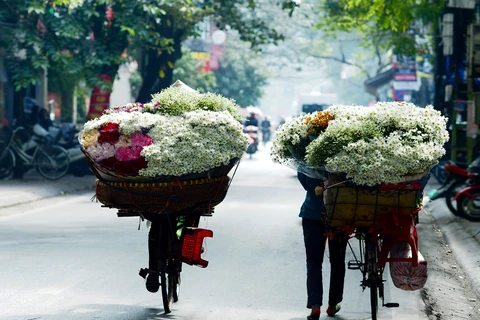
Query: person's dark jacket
{"points": [[312, 207], [251, 121]]}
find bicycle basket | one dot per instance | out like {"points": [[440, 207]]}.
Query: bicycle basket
{"points": [[162, 197], [351, 205]]}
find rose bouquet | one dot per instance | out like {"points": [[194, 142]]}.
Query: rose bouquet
{"points": [[383, 143], [180, 132]]}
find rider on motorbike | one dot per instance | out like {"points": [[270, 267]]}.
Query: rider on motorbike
{"points": [[266, 129], [251, 120]]}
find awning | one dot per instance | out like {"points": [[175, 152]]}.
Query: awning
{"points": [[381, 79]]}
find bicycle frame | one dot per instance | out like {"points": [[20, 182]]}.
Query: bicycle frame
{"points": [[18, 150]]}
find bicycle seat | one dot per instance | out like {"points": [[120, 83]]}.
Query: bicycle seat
{"points": [[40, 139]]}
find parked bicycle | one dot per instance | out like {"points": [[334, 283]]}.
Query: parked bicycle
{"points": [[51, 161]]}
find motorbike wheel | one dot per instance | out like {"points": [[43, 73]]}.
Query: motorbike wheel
{"points": [[468, 207], [452, 190]]}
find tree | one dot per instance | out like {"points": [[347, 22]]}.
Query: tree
{"points": [[187, 70], [384, 24], [181, 21], [241, 75], [92, 38]]}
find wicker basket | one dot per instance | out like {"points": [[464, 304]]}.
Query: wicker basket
{"points": [[164, 194], [351, 205], [162, 197]]}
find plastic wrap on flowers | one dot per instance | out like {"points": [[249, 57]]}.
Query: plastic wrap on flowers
{"points": [[303, 167], [351, 205], [163, 197], [404, 275]]}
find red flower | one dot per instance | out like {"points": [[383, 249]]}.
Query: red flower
{"points": [[124, 168], [108, 163], [129, 168], [109, 133], [139, 163]]}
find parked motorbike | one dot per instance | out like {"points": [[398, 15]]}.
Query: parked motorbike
{"points": [[252, 132], [468, 198], [456, 174], [66, 136]]}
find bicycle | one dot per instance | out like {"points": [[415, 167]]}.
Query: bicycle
{"points": [[173, 239], [375, 243], [51, 161]]}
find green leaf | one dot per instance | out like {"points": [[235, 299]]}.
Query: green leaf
{"points": [[130, 31]]}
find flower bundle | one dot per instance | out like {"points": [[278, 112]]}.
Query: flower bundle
{"points": [[372, 145], [317, 122], [180, 132]]}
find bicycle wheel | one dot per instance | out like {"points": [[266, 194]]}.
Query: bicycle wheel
{"points": [[170, 282], [7, 164], [169, 272], [372, 273], [175, 286], [167, 300], [52, 162]]}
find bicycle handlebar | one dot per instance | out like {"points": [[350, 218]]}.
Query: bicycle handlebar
{"points": [[19, 128]]}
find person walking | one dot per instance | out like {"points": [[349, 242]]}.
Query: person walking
{"points": [[315, 238]]}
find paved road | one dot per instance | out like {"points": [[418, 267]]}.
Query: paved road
{"points": [[68, 258]]}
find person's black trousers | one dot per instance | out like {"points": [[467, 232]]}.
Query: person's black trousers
{"points": [[314, 234]]}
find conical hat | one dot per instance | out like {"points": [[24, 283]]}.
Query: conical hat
{"points": [[182, 85]]}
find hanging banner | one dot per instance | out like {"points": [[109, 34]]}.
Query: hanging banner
{"points": [[100, 99], [404, 68]]}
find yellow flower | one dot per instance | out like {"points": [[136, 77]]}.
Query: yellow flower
{"points": [[89, 138]]}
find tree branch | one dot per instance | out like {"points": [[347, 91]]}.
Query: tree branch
{"points": [[343, 60]]}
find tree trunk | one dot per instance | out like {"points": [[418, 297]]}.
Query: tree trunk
{"points": [[150, 71], [157, 67], [67, 104]]}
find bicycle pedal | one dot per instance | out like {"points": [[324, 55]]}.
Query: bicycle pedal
{"points": [[391, 305], [354, 265], [143, 273]]}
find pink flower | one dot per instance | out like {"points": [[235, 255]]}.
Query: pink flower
{"points": [[140, 139], [128, 153], [101, 151]]}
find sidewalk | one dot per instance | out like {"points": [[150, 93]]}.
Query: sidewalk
{"points": [[462, 236], [34, 187]]}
